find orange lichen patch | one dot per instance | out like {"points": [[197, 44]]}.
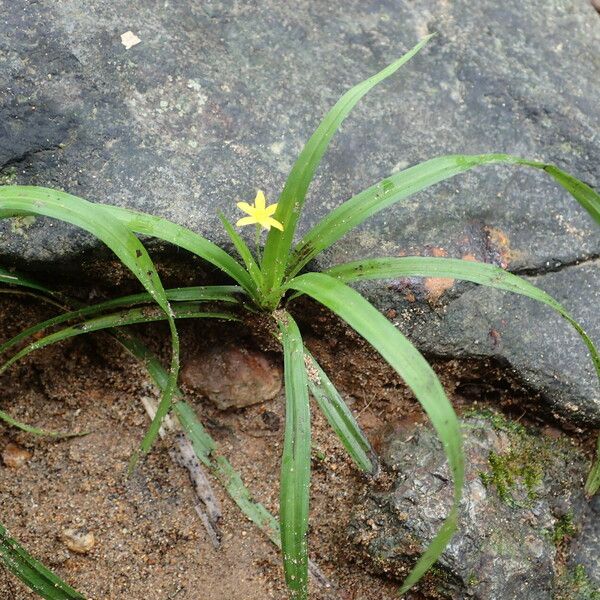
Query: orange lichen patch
{"points": [[500, 246], [436, 286], [469, 257]]}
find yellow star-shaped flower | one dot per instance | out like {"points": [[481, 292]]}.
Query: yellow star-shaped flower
{"points": [[259, 213]]}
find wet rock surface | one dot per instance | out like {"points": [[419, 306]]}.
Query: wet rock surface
{"points": [[522, 507], [217, 98]]}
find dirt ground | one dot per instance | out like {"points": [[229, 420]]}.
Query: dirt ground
{"points": [[149, 542]]}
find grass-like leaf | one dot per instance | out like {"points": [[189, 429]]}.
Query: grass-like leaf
{"points": [[19, 279], [339, 417], [131, 316], [243, 250], [36, 430], [481, 273], [31, 200], [32, 572], [184, 238], [204, 446], [416, 372], [401, 185], [476, 272], [291, 200], [205, 449], [211, 293], [592, 485], [295, 462]]}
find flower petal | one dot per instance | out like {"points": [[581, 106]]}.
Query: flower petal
{"points": [[274, 223], [247, 208], [270, 210], [260, 201], [245, 221]]}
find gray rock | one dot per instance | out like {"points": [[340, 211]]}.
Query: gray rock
{"points": [[522, 498], [528, 338], [585, 550], [218, 98]]}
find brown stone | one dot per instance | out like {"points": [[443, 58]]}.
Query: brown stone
{"points": [[232, 377], [14, 456], [80, 541]]}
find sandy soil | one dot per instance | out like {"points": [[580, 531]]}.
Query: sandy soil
{"points": [[149, 542]]}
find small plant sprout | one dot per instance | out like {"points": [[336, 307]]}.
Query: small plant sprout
{"points": [[270, 283]]}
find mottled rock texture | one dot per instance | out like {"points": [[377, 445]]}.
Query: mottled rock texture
{"points": [[522, 500], [218, 97]]}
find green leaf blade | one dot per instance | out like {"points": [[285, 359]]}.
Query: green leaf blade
{"points": [[132, 316], [295, 462], [340, 418], [4, 416], [395, 348], [32, 200], [243, 250], [32, 572], [452, 268], [184, 238], [215, 293], [291, 201], [400, 186]]}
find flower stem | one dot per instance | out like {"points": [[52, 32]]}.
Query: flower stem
{"points": [[257, 243]]}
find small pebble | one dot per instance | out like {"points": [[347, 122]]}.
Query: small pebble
{"points": [[14, 456], [80, 541]]}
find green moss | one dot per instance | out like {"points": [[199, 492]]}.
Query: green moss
{"points": [[497, 420], [8, 176], [576, 585], [564, 528], [510, 470]]}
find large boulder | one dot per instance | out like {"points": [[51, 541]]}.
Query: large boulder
{"points": [[523, 521], [217, 98]]}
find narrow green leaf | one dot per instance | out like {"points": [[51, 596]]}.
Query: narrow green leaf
{"points": [[121, 318], [295, 462], [35, 430], [32, 572], [204, 446], [184, 238], [205, 449], [339, 417], [583, 193], [401, 185], [31, 200], [215, 293], [243, 251], [408, 362], [202, 443], [476, 272], [18, 279], [291, 201], [592, 485]]}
